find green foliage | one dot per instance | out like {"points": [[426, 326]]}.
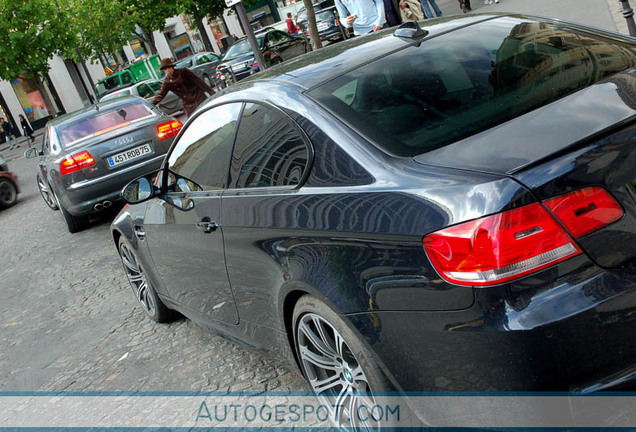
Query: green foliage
{"points": [[30, 33]]}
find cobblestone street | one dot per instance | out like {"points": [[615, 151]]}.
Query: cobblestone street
{"points": [[69, 321]]}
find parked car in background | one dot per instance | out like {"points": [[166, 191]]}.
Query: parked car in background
{"points": [[171, 104], [276, 46], [147, 89], [203, 65], [8, 186], [89, 155], [327, 21], [446, 209], [140, 70]]}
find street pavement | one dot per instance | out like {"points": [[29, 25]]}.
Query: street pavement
{"points": [[68, 319]]}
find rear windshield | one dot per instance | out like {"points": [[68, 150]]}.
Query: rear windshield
{"points": [[241, 48], [463, 82], [102, 121]]}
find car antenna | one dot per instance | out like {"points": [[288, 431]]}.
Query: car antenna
{"points": [[410, 30]]}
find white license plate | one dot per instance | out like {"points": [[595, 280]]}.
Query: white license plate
{"points": [[131, 154], [322, 27]]}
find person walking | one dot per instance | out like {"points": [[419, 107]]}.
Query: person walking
{"points": [[9, 136], [427, 10], [185, 84], [26, 128], [365, 16]]}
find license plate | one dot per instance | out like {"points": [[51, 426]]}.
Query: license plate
{"points": [[131, 154], [322, 27]]}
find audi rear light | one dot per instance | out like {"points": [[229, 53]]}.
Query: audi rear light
{"points": [[586, 210], [499, 248], [76, 162], [168, 129]]}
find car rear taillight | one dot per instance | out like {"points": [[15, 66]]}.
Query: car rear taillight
{"points": [[586, 210], [76, 162], [515, 243], [337, 22], [168, 129]]}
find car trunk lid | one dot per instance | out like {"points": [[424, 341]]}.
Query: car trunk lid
{"points": [[585, 139]]}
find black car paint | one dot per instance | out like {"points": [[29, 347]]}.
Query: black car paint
{"points": [[346, 238]]}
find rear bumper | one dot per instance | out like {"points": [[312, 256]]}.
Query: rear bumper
{"points": [[575, 333], [80, 197]]}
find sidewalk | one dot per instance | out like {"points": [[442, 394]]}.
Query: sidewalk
{"points": [[23, 142]]}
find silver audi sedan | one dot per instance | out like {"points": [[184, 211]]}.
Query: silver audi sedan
{"points": [[89, 155]]}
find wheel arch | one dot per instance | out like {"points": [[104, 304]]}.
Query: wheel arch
{"points": [[288, 304]]}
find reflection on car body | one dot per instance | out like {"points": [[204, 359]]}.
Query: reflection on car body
{"points": [[446, 210]]}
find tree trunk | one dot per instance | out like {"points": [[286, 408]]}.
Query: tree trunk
{"points": [[149, 38], [198, 19], [314, 36]]}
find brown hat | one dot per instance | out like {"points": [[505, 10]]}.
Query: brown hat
{"points": [[166, 63]]}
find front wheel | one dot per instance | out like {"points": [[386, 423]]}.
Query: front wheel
{"points": [[8, 193], [141, 286], [338, 367]]}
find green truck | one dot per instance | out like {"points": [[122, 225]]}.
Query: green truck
{"points": [[138, 71]]}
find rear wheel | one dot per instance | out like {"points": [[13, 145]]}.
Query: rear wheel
{"points": [[74, 223], [8, 193], [206, 79], [47, 194], [339, 368], [141, 286]]}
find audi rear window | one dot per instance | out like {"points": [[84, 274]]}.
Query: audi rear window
{"points": [[466, 81], [102, 121]]}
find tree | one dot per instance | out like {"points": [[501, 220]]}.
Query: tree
{"points": [[31, 32], [314, 35], [150, 15]]}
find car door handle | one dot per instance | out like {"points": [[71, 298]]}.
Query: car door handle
{"points": [[207, 225]]}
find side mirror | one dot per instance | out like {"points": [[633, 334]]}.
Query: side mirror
{"points": [[137, 191], [32, 153]]}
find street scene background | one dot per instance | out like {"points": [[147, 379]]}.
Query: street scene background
{"points": [[69, 321]]}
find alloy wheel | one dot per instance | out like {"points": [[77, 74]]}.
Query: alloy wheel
{"points": [[47, 194], [333, 372], [137, 278]]}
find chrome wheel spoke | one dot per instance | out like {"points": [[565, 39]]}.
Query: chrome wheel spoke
{"points": [[318, 342], [318, 360], [328, 383]]}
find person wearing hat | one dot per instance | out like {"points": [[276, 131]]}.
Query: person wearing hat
{"points": [[185, 84]]}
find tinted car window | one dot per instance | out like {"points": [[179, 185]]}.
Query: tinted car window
{"points": [[202, 153], [269, 150], [453, 86], [102, 121], [155, 86], [242, 47]]}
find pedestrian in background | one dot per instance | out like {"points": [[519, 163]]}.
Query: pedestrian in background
{"points": [[427, 10], [392, 13], [185, 84], [365, 16], [291, 27], [26, 128], [9, 136]]}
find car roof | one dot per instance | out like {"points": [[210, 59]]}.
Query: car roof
{"points": [[317, 67]]}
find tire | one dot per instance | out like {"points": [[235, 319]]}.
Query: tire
{"points": [[206, 79], [47, 194], [340, 373], [8, 193], [144, 292], [73, 223]]}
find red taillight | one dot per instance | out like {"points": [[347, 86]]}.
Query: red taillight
{"points": [[168, 129], [586, 210], [337, 23], [76, 162], [499, 248]]}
